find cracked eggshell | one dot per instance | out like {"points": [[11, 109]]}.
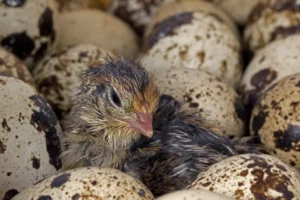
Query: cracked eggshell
{"points": [[98, 28], [57, 76], [136, 13], [180, 6], [239, 10], [10, 65], [28, 28], [251, 177], [269, 65], [29, 137], [193, 195], [275, 118], [194, 40], [272, 20], [88, 183], [214, 100]]}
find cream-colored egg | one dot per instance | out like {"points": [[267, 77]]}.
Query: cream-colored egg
{"points": [[251, 177], [98, 28], [29, 137], [88, 183], [10, 65], [193, 195], [194, 40], [269, 65], [272, 20], [57, 76], [70, 5], [180, 6], [136, 13], [275, 119], [28, 28], [206, 95], [239, 10]]}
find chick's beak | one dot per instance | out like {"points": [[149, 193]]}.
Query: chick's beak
{"points": [[142, 124]]}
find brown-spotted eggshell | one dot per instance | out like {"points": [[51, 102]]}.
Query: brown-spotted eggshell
{"points": [[269, 65], [272, 20], [28, 28], [57, 76], [251, 177], [88, 183], [194, 40], [29, 137], [275, 119], [98, 28], [201, 92]]}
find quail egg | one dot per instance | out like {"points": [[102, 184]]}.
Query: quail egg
{"points": [[194, 40], [88, 183], [251, 177], [269, 65], [29, 137], [98, 28], [28, 28], [70, 5], [10, 65], [180, 6], [275, 119], [193, 195], [239, 10], [137, 13], [57, 76], [271, 20], [214, 100]]}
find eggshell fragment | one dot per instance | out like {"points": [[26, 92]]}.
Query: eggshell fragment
{"points": [[10, 65], [98, 28], [251, 177], [57, 76], [180, 6], [193, 195], [28, 28], [88, 183], [206, 95], [275, 119], [272, 20], [29, 137], [272, 63], [194, 40]]}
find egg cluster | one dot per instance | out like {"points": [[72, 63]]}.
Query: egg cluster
{"points": [[234, 63]]}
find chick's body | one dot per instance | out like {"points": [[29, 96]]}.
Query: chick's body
{"points": [[112, 108]]}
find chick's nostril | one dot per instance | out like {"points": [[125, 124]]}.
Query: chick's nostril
{"points": [[144, 117]]}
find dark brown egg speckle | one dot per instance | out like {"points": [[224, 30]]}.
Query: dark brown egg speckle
{"points": [[275, 120], [251, 177], [10, 194], [60, 180]]}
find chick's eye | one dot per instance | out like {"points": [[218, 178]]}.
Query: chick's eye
{"points": [[115, 98]]}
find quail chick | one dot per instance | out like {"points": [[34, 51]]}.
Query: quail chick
{"points": [[112, 109], [179, 150]]}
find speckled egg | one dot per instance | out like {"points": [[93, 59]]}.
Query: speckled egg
{"points": [[98, 28], [193, 195], [251, 177], [29, 137], [271, 20], [272, 63], [214, 100], [28, 28], [10, 65], [275, 119], [180, 6], [70, 5], [88, 183], [239, 10], [57, 76], [137, 13], [194, 40]]}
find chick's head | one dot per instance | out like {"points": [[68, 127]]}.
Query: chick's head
{"points": [[119, 95]]}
